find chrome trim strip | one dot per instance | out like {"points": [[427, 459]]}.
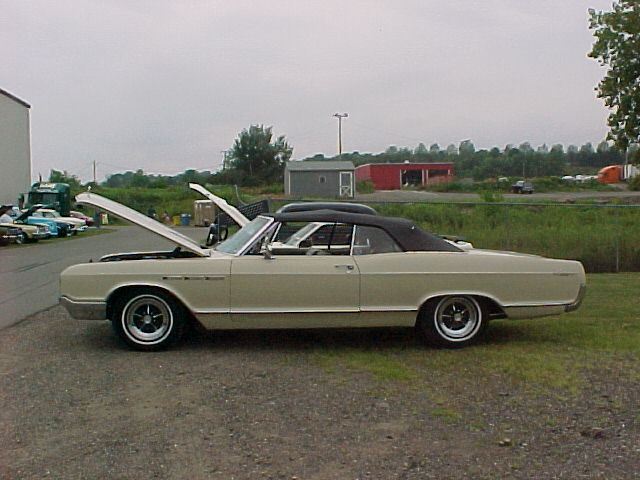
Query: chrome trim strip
{"points": [[192, 277], [388, 309], [84, 310], [538, 305], [310, 310], [301, 310]]}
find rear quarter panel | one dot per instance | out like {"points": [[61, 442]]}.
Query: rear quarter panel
{"points": [[408, 279]]}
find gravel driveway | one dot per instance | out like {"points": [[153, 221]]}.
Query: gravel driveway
{"points": [[76, 404]]}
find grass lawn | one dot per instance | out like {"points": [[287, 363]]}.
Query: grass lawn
{"points": [[553, 355]]}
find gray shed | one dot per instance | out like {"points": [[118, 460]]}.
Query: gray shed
{"points": [[319, 179]]}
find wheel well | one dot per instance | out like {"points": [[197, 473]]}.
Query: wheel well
{"points": [[492, 308], [128, 290]]}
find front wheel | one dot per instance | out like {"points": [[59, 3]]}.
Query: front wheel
{"points": [[148, 319], [452, 321], [22, 239]]}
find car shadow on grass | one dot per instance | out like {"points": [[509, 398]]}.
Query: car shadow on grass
{"points": [[499, 333]]}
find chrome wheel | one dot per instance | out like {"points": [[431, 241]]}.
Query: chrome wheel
{"points": [[147, 319], [457, 318]]}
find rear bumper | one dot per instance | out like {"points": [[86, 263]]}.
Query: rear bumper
{"points": [[84, 310], [581, 293], [535, 311]]}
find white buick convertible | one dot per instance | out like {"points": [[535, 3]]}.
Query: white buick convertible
{"points": [[372, 272]]}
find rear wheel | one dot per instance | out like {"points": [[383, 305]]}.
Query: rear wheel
{"points": [[452, 321], [148, 319]]}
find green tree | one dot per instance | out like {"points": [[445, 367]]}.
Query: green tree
{"points": [[617, 46], [139, 179], [260, 159], [466, 148], [421, 149], [56, 176]]}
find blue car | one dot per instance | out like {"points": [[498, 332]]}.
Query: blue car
{"points": [[56, 228]]}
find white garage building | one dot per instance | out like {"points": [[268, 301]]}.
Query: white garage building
{"points": [[15, 148]]}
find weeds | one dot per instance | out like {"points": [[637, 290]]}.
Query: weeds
{"points": [[603, 239]]}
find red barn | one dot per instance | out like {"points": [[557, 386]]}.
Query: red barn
{"points": [[392, 176]]}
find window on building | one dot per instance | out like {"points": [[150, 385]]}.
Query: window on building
{"points": [[322, 179]]}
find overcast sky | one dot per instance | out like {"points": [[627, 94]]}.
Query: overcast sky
{"points": [[165, 85]]}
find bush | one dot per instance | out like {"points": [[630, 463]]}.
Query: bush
{"points": [[365, 186], [634, 183], [491, 196]]}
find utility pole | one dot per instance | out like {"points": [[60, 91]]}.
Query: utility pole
{"points": [[225, 159], [340, 116], [94, 173]]}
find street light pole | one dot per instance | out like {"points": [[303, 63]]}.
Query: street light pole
{"points": [[340, 116]]}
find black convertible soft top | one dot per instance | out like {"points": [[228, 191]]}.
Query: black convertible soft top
{"points": [[405, 232], [336, 206]]}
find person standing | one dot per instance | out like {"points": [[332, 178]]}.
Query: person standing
{"points": [[4, 216]]}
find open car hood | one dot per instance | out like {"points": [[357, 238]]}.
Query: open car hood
{"points": [[222, 204], [138, 218], [28, 212]]}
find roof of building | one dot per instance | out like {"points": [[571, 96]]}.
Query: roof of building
{"points": [[405, 232], [407, 164], [319, 165], [14, 98]]}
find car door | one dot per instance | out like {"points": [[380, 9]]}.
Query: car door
{"points": [[388, 285], [294, 291]]}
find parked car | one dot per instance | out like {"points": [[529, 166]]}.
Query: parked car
{"points": [[53, 227], [313, 235], [10, 235], [76, 224], [28, 233], [522, 186], [88, 221], [394, 274]]}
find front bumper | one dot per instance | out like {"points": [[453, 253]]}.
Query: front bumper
{"points": [[84, 310], [8, 238]]}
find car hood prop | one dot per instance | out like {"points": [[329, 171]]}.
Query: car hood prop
{"points": [[131, 215]]}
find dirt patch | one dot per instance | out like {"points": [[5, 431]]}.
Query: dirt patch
{"points": [[77, 404]]}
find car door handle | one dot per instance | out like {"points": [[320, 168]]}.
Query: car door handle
{"points": [[348, 267]]}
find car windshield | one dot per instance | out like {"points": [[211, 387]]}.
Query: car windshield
{"points": [[301, 234], [237, 242]]}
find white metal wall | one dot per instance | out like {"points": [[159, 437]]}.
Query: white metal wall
{"points": [[15, 150]]}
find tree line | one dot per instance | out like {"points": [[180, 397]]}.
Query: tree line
{"points": [[521, 160], [267, 168]]}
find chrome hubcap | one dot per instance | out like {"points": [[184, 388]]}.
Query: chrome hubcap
{"points": [[457, 318], [147, 319]]}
